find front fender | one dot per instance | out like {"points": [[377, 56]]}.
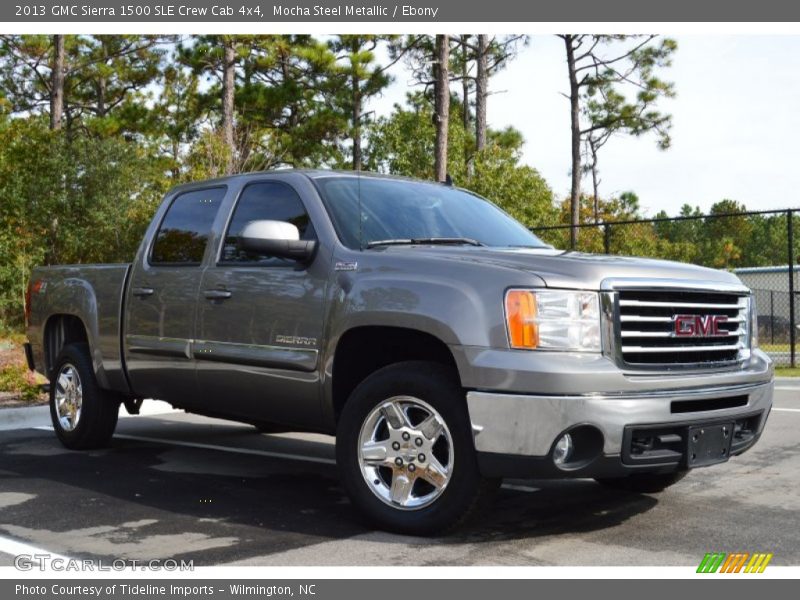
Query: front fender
{"points": [[448, 309], [458, 310]]}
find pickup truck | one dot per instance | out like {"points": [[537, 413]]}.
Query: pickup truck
{"points": [[443, 344]]}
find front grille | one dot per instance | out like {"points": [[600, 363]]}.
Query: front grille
{"points": [[647, 327]]}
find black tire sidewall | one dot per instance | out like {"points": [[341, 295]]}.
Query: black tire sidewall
{"points": [[98, 411], [437, 386]]}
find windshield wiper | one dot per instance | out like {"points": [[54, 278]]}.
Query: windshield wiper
{"points": [[431, 240]]}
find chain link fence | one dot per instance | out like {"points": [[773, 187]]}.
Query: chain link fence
{"points": [[760, 247]]}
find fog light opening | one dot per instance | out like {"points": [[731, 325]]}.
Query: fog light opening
{"points": [[562, 451], [576, 448]]}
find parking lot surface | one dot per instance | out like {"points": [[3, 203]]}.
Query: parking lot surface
{"points": [[177, 486]]}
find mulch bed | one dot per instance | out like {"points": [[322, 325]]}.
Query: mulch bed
{"points": [[13, 400]]}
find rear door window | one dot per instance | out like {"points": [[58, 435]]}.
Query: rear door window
{"points": [[183, 235]]}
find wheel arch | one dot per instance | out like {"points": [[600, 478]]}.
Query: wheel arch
{"points": [[63, 329], [362, 350]]}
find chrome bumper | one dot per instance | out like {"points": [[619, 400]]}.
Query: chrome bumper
{"points": [[528, 425]]}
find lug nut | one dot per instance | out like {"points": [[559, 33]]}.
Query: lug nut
{"points": [[412, 468], [421, 457], [406, 436], [398, 461], [396, 445], [418, 441]]}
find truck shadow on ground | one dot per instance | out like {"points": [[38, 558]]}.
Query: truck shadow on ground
{"points": [[557, 507], [265, 504]]}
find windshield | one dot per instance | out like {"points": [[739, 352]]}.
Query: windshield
{"points": [[393, 210]]}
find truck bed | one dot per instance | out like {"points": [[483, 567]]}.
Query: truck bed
{"points": [[94, 293]]}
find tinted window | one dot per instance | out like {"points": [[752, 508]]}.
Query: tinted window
{"points": [[267, 201], [369, 209], [184, 232]]}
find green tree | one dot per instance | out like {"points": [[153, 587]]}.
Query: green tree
{"points": [[217, 58], [767, 243], [613, 88], [177, 117], [682, 240], [78, 200], [404, 144], [101, 84], [288, 102], [726, 237], [361, 78], [108, 79]]}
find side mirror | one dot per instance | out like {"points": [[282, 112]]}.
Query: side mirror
{"points": [[276, 238]]}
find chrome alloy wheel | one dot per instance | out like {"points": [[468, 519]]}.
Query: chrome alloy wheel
{"points": [[68, 397], [405, 453]]}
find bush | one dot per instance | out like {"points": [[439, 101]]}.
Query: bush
{"points": [[75, 199], [14, 374], [18, 379]]}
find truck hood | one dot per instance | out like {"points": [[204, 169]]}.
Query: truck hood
{"points": [[566, 269]]}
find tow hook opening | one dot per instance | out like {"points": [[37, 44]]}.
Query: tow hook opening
{"points": [[577, 447]]}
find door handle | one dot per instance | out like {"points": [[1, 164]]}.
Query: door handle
{"points": [[217, 294], [142, 292]]}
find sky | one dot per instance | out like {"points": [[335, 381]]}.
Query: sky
{"points": [[736, 123]]}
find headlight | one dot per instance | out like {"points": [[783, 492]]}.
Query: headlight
{"points": [[553, 320]]}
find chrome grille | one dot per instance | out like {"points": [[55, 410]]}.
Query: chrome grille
{"points": [[647, 332]]}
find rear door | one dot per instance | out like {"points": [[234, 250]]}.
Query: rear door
{"points": [[162, 299], [260, 319]]}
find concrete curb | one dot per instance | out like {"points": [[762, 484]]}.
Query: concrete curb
{"points": [[24, 418], [39, 416], [788, 382]]}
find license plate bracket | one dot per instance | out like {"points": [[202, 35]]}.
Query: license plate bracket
{"points": [[709, 444]]}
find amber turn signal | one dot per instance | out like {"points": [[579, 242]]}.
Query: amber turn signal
{"points": [[523, 332]]}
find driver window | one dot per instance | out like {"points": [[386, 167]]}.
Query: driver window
{"points": [[267, 200]]}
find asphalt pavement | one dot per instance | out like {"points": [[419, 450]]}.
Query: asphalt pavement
{"points": [[177, 486]]}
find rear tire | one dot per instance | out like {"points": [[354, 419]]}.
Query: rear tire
{"points": [[405, 450], [644, 483], [84, 416]]}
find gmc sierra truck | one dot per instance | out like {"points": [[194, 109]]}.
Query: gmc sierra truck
{"points": [[443, 344]]}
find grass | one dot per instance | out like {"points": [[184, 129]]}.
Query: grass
{"points": [[773, 347], [787, 372], [17, 383]]}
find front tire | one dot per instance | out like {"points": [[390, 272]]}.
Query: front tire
{"points": [[644, 483], [84, 416], [405, 450]]}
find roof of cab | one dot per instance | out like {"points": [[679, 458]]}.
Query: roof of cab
{"points": [[310, 173]]}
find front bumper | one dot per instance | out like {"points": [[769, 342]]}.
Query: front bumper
{"points": [[515, 433]]}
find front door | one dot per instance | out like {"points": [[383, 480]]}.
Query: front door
{"points": [[162, 298], [260, 320]]}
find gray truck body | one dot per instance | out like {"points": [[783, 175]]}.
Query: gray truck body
{"points": [[282, 345]]}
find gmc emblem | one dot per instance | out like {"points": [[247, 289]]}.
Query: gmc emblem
{"points": [[698, 325]]}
